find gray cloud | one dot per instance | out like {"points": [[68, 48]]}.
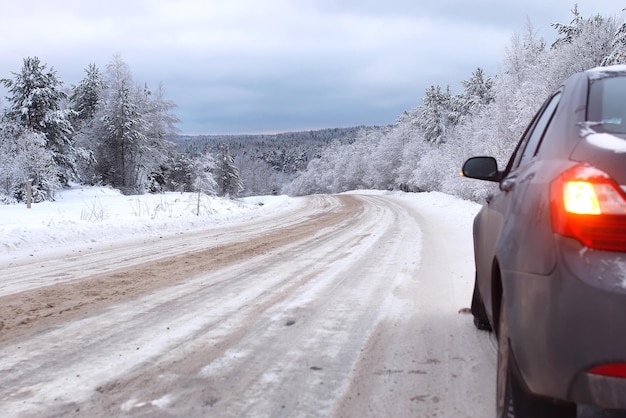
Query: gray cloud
{"points": [[277, 65]]}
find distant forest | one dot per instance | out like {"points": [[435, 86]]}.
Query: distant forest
{"points": [[267, 162]]}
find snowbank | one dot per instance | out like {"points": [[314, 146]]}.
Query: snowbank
{"points": [[83, 216]]}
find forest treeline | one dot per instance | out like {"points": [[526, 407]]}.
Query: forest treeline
{"points": [[426, 147], [112, 130], [108, 130], [268, 162]]}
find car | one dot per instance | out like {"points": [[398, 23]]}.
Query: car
{"points": [[550, 253]]}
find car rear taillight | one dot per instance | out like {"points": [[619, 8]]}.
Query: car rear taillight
{"points": [[611, 370], [586, 204]]}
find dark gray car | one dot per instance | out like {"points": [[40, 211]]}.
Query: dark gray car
{"points": [[550, 253]]}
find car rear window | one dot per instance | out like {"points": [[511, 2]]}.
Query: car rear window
{"points": [[607, 104]]}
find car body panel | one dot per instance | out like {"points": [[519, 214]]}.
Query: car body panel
{"points": [[562, 327]]}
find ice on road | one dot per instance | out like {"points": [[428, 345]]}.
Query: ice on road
{"points": [[344, 305]]}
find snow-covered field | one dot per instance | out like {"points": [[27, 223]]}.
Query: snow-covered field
{"points": [[87, 216]]}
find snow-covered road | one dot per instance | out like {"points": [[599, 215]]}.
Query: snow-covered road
{"points": [[346, 305]]}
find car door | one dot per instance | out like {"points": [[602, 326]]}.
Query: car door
{"points": [[504, 203]]}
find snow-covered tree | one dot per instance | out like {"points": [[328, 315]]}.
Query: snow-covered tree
{"points": [[617, 54], [260, 177], [179, 173], [131, 127], [584, 44], [204, 183], [159, 124], [438, 114], [88, 96], [442, 111], [24, 157], [322, 173], [87, 100], [569, 31], [206, 167], [35, 105], [478, 92], [229, 182], [122, 134]]}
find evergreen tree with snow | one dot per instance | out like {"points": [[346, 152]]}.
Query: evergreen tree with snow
{"points": [[205, 180], [227, 176], [122, 132], [204, 184], [438, 114], [478, 92], [87, 100], [179, 173], [584, 43], [159, 124], [88, 95], [568, 32], [132, 127], [618, 48], [24, 157], [35, 110]]}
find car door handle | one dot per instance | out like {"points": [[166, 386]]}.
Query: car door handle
{"points": [[507, 185]]}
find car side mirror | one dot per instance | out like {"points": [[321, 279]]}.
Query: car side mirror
{"points": [[482, 168]]}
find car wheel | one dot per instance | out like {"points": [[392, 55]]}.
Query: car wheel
{"points": [[513, 400], [478, 310]]}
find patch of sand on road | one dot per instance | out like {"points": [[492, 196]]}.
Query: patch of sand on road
{"points": [[31, 311]]}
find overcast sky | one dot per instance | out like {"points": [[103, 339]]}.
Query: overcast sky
{"points": [[256, 66]]}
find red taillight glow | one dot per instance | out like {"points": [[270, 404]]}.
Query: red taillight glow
{"points": [[610, 370], [589, 206]]}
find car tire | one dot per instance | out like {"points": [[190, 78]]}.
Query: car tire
{"points": [[478, 310], [513, 399]]}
